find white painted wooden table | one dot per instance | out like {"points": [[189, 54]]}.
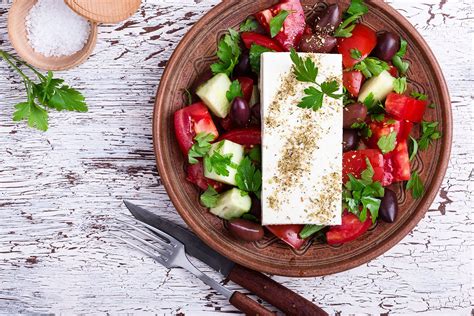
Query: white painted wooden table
{"points": [[58, 189]]}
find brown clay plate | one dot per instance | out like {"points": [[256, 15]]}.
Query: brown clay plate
{"points": [[192, 58]]}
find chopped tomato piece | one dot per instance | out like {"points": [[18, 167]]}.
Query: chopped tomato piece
{"points": [[350, 229], [405, 107], [288, 233], [293, 26], [250, 38], [393, 70], [385, 127], [362, 39], [247, 87], [353, 162], [195, 175], [397, 165], [190, 121], [352, 81], [247, 137]]}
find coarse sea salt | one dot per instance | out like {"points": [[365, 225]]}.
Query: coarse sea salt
{"points": [[53, 29]]}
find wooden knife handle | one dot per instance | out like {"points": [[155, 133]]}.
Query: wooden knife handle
{"points": [[248, 306], [274, 293]]}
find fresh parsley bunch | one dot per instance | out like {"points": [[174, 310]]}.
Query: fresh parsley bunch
{"points": [[48, 93], [305, 70], [363, 195]]}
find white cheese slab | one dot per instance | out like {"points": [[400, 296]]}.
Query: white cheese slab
{"points": [[301, 148]]}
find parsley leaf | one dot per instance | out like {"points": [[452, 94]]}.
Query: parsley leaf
{"points": [[217, 162], [210, 197], [312, 100], [419, 96], [364, 128], [235, 90], [228, 53], [248, 178], [48, 92], [256, 154], [356, 54], [305, 70], [254, 56], [397, 60], [388, 142], [400, 85], [276, 23], [413, 148], [201, 147], [432, 106], [415, 185], [309, 230], [249, 25], [430, 132], [371, 66], [353, 13], [369, 101], [379, 117], [363, 195]]}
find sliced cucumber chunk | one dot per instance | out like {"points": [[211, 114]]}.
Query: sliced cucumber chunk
{"points": [[226, 147], [232, 204], [213, 94], [379, 86]]}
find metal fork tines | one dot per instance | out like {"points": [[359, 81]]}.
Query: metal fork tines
{"points": [[170, 253]]}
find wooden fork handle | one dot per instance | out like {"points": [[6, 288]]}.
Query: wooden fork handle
{"points": [[248, 306], [274, 293]]}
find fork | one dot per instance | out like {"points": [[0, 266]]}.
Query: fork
{"points": [[172, 254]]}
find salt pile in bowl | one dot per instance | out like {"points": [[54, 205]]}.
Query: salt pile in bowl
{"points": [[54, 30]]}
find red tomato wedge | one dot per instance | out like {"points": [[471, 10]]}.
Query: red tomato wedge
{"points": [[405, 107], [293, 27], [195, 175], [247, 137], [397, 165], [190, 121], [353, 162], [387, 126], [288, 233], [352, 81], [247, 87], [250, 38], [363, 39], [350, 229]]}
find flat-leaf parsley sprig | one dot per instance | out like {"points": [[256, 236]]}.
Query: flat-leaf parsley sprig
{"points": [[305, 70], [48, 93]]}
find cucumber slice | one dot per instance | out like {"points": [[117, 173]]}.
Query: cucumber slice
{"points": [[255, 98], [232, 204], [379, 86], [213, 94], [226, 147]]}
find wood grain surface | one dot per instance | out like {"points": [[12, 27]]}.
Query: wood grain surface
{"points": [[59, 190]]}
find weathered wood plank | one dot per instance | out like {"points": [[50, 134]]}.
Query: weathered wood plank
{"points": [[57, 189]]}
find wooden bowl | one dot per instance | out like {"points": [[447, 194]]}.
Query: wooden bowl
{"points": [[18, 37], [192, 58]]}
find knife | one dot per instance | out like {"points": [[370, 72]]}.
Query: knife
{"points": [[259, 284]]}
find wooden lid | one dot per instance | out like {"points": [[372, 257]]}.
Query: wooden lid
{"points": [[104, 11]]}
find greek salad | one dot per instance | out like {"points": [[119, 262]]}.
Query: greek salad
{"points": [[221, 129]]}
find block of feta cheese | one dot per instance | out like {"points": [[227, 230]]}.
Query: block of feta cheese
{"points": [[301, 148]]}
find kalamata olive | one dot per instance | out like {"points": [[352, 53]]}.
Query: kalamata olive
{"points": [[317, 43], [350, 140], [256, 112], [329, 20], [356, 112], [245, 230], [243, 67], [389, 207], [388, 45], [240, 112], [256, 209]]}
